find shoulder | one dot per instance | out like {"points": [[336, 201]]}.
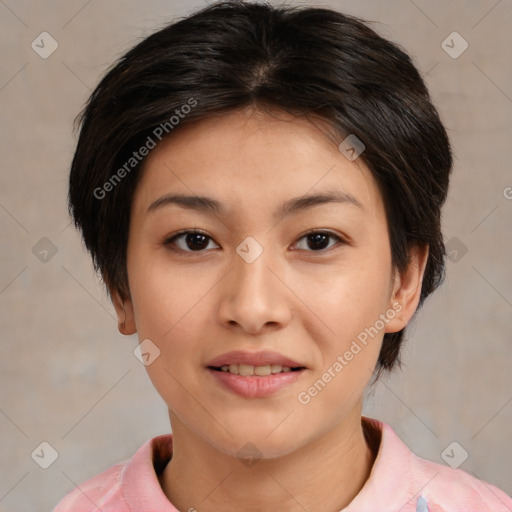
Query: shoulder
{"points": [[453, 489], [443, 488], [133, 482], [88, 496], [404, 481]]}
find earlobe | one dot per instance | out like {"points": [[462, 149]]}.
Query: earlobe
{"points": [[407, 289], [124, 312]]}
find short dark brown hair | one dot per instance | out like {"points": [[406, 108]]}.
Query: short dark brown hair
{"points": [[302, 60]]}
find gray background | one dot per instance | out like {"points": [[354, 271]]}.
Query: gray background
{"points": [[68, 377]]}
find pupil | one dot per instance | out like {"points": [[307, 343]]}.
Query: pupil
{"points": [[320, 240], [196, 241]]}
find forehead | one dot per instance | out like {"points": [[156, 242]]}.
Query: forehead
{"points": [[256, 158]]}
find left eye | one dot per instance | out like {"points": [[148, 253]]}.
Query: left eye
{"points": [[197, 241], [319, 240]]}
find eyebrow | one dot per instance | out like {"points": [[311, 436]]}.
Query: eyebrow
{"points": [[212, 206]]}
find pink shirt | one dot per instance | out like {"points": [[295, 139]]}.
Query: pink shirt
{"points": [[399, 481]]}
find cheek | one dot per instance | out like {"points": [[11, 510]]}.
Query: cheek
{"points": [[346, 297], [350, 303], [349, 340], [167, 306], [171, 305], [164, 295]]}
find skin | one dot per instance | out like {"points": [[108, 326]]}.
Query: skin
{"points": [[304, 302]]}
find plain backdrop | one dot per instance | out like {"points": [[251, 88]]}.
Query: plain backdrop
{"points": [[68, 378]]}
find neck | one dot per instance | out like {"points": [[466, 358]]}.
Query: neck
{"points": [[324, 475]]}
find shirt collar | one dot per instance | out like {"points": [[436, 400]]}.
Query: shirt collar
{"points": [[390, 476]]}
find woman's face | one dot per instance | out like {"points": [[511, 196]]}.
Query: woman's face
{"points": [[255, 281]]}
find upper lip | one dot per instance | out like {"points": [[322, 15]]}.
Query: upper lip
{"points": [[263, 358]]}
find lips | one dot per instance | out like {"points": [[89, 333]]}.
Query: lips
{"points": [[255, 374], [262, 358]]}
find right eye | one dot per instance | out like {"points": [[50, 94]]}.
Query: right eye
{"points": [[190, 241]]}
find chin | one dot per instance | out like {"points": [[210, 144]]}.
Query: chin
{"points": [[255, 443]]}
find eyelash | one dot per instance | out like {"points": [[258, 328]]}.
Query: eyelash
{"points": [[170, 240]]}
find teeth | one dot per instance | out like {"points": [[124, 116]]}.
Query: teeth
{"points": [[247, 370], [244, 370], [263, 370]]}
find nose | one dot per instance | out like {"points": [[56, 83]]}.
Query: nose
{"points": [[254, 297]]}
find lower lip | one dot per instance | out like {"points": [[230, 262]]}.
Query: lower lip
{"points": [[256, 386]]}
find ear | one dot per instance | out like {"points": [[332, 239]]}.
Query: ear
{"points": [[407, 289], [124, 312]]}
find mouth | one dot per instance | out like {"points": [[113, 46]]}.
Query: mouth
{"points": [[248, 370], [255, 374], [262, 363]]}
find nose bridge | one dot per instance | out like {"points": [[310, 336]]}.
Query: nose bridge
{"points": [[253, 278], [253, 296]]}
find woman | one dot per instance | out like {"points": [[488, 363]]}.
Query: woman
{"points": [[261, 189]]}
